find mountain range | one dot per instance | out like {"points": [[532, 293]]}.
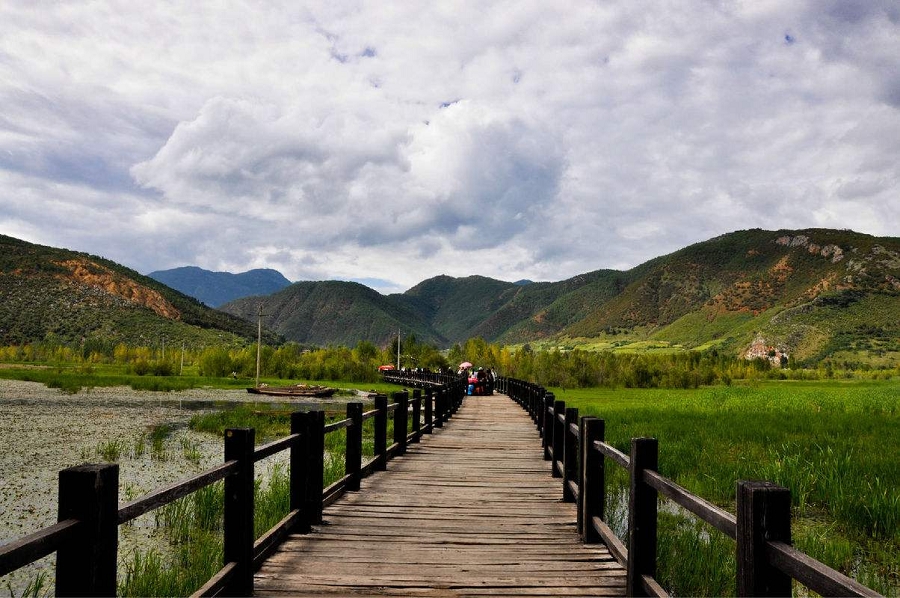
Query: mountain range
{"points": [[806, 293], [216, 288], [809, 293]]}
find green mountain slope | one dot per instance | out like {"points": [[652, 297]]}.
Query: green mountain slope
{"points": [[50, 293], [333, 312], [457, 307], [541, 310]]}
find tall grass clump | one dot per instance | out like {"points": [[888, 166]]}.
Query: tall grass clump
{"points": [[140, 446], [158, 436], [111, 450], [193, 524], [193, 527], [261, 417], [272, 499], [38, 586], [694, 558]]}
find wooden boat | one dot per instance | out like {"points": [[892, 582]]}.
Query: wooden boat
{"points": [[297, 390]]}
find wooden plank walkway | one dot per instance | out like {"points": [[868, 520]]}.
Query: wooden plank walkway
{"points": [[470, 511]]}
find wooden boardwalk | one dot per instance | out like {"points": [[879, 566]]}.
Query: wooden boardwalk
{"points": [[470, 511]]}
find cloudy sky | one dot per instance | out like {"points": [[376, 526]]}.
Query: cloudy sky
{"points": [[389, 142]]}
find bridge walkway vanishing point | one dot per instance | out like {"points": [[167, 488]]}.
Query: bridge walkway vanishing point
{"points": [[471, 510]]}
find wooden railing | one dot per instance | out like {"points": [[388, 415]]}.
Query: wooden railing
{"points": [[577, 451], [85, 538]]}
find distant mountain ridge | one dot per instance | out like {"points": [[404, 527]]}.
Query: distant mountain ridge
{"points": [[811, 293], [217, 288]]}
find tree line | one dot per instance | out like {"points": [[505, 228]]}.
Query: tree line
{"points": [[573, 368]]}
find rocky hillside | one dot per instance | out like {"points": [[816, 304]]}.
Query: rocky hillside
{"points": [[809, 293], [49, 293]]}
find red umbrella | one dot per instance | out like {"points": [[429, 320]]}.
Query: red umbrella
{"points": [[382, 368], [465, 365]]}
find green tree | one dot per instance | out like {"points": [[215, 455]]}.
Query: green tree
{"points": [[215, 362]]}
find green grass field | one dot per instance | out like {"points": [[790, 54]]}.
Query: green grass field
{"points": [[835, 445]]}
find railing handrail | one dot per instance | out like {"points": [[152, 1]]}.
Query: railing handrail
{"points": [[441, 400], [168, 494], [34, 546], [553, 418]]}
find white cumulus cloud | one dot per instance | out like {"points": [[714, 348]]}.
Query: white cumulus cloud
{"points": [[397, 142]]}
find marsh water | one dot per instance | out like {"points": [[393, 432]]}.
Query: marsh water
{"points": [[43, 430]]}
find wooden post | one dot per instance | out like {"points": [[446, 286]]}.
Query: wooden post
{"points": [[763, 513], [416, 414], [559, 437], [238, 519], [537, 402], [456, 398], [525, 402], [86, 565], [400, 418], [440, 402], [353, 454], [315, 459], [529, 401], [380, 439], [641, 516], [453, 396], [299, 473], [593, 478], [547, 432], [570, 455], [429, 410]]}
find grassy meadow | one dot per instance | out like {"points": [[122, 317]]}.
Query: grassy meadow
{"points": [[835, 445]]}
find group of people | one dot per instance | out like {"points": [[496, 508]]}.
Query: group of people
{"points": [[480, 381]]}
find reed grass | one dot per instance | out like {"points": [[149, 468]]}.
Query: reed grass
{"points": [[259, 416], [190, 449], [111, 450], [158, 436], [39, 586], [193, 526], [834, 445], [140, 446]]}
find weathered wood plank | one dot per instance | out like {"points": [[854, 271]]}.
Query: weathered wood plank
{"points": [[471, 510]]}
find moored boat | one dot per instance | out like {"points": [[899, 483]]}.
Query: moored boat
{"points": [[297, 390]]}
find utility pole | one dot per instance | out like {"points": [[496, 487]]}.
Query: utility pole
{"points": [[259, 315], [398, 348], [181, 371]]}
